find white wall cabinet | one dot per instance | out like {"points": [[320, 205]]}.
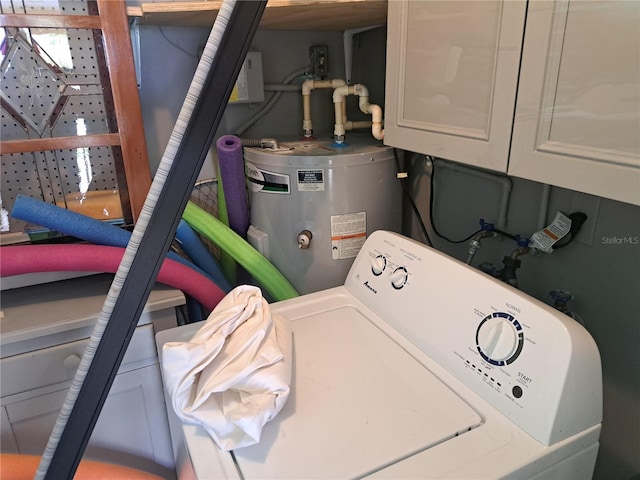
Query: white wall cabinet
{"points": [[577, 121], [452, 72], [556, 100], [45, 330]]}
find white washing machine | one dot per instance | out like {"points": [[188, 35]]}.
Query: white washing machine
{"points": [[419, 367]]}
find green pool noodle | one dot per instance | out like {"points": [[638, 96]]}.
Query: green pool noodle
{"points": [[227, 264], [244, 254]]}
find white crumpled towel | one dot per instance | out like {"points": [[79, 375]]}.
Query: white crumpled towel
{"points": [[235, 374]]}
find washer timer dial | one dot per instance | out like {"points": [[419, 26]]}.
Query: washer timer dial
{"points": [[499, 338], [399, 278], [378, 264]]}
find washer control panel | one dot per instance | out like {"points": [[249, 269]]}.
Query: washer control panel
{"points": [[511, 349], [391, 270]]}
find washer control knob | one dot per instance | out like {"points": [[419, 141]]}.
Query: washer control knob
{"points": [[499, 338], [378, 264], [399, 278]]}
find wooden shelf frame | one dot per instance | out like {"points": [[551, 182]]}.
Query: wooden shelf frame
{"points": [[279, 14], [112, 20]]}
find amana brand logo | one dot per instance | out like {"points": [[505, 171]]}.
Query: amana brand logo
{"points": [[366, 284]]}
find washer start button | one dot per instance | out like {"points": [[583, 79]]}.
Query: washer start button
{"points": [[517, 391]]}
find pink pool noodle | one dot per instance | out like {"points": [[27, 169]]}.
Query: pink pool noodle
{"points": [[17, 260], [234, 185]]}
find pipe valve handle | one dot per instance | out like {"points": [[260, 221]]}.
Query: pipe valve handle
{"points": [[304, 239]]}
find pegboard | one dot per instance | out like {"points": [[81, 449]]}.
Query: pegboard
{"points": [[44, 97], [30, 86], [66, 7]]}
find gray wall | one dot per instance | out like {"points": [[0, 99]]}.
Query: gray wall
{"points": [[604, 276], [169, 57], [601, 269]]}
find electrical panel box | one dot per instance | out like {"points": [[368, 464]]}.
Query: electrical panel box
{"points": [[249, 87], [319, 58]]}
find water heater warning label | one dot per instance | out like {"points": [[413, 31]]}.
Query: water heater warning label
{"points": [[348, 233], [310, 180]]}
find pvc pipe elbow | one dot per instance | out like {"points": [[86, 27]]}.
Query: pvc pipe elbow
{"points": [[363, 94], [377, 131], [376, 112], [307, 86], [339, 93], [376, 121], [360, 90]]}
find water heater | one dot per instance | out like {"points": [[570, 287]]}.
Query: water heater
{"points": [[313, 203]]}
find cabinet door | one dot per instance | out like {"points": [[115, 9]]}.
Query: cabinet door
{"points": [[577, 122], [132, 429], [7, 440], [452, 72]]}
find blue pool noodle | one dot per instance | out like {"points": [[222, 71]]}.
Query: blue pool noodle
{"points": [[75, 224], [198, 253], [68, 222]]}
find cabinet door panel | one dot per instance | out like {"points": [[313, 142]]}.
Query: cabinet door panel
{"points": [[577, 122], [132, 428], [58, 364], [451, 78], [7, 440]]}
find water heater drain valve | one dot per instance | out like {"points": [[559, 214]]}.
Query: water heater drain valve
{"points": [[304, 239]]}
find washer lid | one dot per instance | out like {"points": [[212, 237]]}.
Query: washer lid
{"points": [[359, 402]]}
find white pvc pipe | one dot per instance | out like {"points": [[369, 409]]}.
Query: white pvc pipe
{"points": [[352, 125], [307, 87], [376, 121], [374, 110]]}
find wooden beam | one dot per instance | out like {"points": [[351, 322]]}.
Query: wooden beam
{"points": [[279, 14], [117, 43], [50, 21], [59, 143]]}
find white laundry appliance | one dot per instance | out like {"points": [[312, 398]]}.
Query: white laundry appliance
{"points": [[419, 367]]}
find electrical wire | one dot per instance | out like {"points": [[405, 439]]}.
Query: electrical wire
{"points": [[416, 211], [175, 45], [413, 205], [272, 101], [431, 199]]}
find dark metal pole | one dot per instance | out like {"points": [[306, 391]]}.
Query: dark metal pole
{"points": [[155, 242]]}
